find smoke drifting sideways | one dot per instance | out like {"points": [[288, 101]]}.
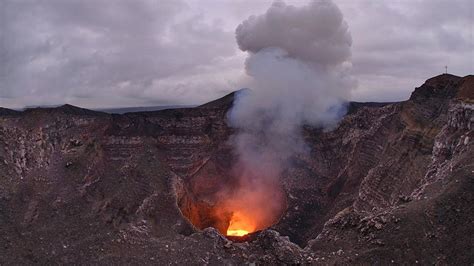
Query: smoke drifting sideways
{"points": [[298, 69]]}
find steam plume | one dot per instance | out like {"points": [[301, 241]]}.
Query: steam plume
{"points": [[297, 67]]}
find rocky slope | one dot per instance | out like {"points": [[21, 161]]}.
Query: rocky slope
{"points": [[393, 183]]}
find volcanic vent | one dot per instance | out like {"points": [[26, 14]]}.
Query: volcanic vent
{"points": [[234, 204]]}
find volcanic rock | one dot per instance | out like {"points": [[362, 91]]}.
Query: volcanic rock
{"points": [[393, 182]]}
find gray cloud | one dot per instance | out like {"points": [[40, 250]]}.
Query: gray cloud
{"points": [[316, 33], [399, 44], [144, 52], [108, 52]]}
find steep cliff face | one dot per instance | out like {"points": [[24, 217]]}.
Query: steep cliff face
{"points": [[413, 206], [392, 182]]}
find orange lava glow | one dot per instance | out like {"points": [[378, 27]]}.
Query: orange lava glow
{"points": [[240, 225], [236, 232]]}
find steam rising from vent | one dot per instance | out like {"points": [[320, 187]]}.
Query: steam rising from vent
{"points": [[297, 67]]}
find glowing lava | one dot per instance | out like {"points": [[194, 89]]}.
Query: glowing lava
{"points": [[236, 232], [240, 225]]}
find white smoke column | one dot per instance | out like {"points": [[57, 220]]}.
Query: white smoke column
{"points": [[297, 67]]}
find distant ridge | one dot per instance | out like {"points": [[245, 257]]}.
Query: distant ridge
{"points": [[141, 109], [225, 101], [441, 86], [5, 111], [65, 109], [444, 86]]}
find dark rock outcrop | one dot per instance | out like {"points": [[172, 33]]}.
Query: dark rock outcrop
{"points": [[8, 112]]}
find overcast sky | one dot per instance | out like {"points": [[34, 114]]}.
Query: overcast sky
{"points": [[103, 53]]}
